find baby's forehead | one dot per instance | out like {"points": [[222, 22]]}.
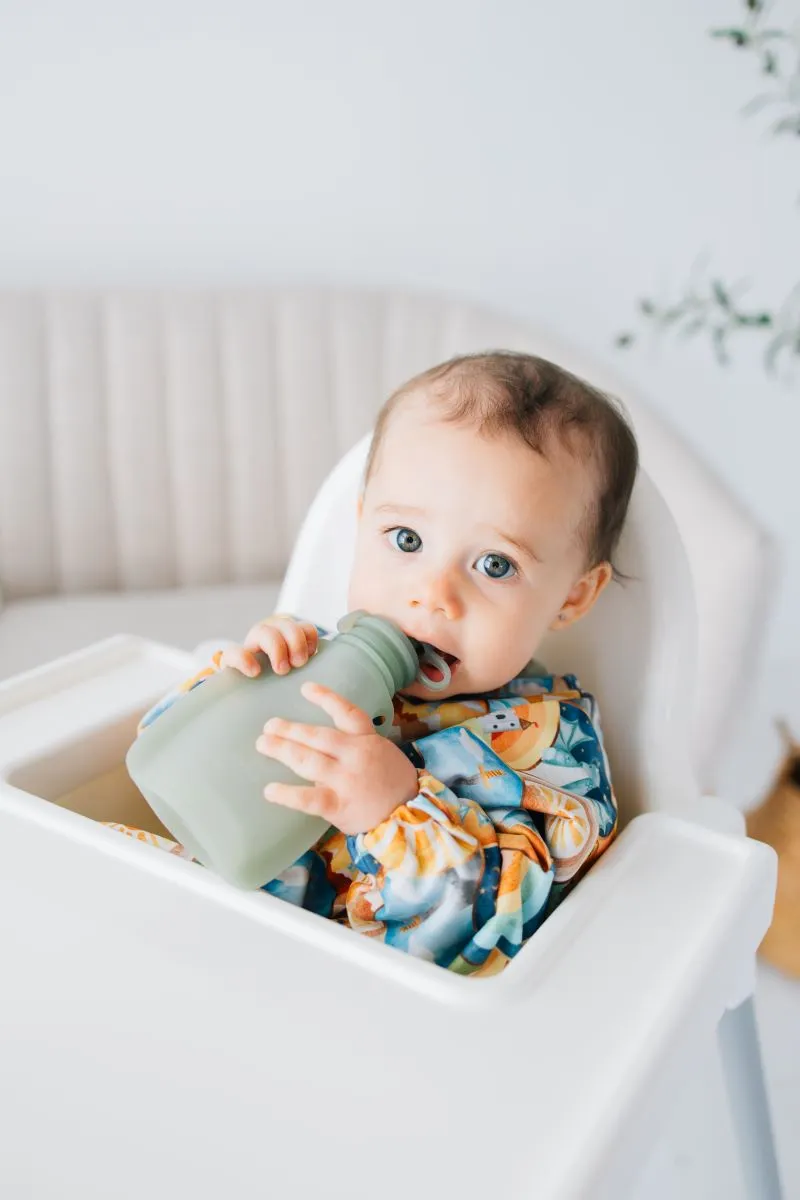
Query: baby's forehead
{"points": [[467, 481], [423, 402], [421, 418]]}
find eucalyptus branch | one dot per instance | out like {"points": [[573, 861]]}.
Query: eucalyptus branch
{"points": [[712, 307], [777, 52], [716, 310]]}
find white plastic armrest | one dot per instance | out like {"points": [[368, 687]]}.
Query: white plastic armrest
{"points": [[636, 968]]}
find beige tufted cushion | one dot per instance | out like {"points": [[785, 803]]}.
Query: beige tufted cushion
{"points": [[152, 440]]}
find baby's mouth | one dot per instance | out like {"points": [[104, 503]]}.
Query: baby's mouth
{"points": [[436, 667]]}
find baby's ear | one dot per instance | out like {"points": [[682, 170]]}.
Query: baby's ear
{"points": [[583, 595]]}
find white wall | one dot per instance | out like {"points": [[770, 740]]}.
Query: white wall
{"points": [[555, 159]]}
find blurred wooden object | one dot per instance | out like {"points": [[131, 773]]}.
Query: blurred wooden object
{"points": [[776, 821]]}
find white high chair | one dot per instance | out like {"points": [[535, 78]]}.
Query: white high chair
{"points": [[162, 1034]]}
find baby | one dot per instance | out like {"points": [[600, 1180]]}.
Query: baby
{"points": [[495, 492]]}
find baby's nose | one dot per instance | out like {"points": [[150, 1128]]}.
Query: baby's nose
{"points": [[439, 593]]}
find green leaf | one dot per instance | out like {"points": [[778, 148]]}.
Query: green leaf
{"points": [[624, 340], [718, 342], [739, 37], [758, 102], [774, 35], [762, 320], [775, 347], [670, 315], [647, 307], [720, 295], [693, 327], [789, 124]]}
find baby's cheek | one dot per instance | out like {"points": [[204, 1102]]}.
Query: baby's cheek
{"points": [[364, 585], [512, 653], [361, 597], [357, 592], [485, 667]]}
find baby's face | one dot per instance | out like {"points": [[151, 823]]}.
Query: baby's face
{"points": [[469, 543]]}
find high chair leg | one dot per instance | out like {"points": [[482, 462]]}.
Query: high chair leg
{"points": [[744, 1078]]}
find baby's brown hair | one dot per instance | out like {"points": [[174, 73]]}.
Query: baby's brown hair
{"points": [[505, 391]]}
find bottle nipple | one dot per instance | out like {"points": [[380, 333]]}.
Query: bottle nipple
{"points": [[430, 657]]}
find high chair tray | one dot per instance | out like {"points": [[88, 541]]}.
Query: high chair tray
{"points": [[164, 1035]]}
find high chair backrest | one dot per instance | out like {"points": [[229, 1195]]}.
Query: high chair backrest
{"points": [[635, 651]]}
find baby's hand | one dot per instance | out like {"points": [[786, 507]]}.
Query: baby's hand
{"points": [[358, 778], [286, 642]]}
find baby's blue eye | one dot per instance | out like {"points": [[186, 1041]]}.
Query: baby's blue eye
{"points": [[497, 567], [407, 540]]}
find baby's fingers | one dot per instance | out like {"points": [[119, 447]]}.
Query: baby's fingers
{"points": [[300, 637], [304, 760], [286, 642], [242, 660], [315, 800]]}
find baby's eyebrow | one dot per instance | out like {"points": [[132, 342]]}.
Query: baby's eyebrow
{"points": [[408, 508], [518, 545]]}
